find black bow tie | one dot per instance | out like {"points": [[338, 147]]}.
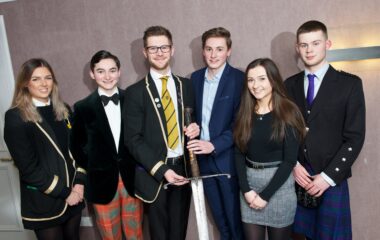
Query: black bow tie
{"points": [[114, 98]]}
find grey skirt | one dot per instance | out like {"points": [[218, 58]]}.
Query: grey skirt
{"points": [[281, 208]]}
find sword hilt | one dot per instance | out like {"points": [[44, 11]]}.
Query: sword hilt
{"points": [[198, 178]]}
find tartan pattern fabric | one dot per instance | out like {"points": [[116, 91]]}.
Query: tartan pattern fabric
{"points": [[123, 213], [170, 115], [331, 221]]}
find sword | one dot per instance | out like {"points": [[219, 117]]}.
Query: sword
{"points": [[197, 178], [197, 187]]}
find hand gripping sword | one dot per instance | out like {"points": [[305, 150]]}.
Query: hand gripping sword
{"points": [[197, 187]]}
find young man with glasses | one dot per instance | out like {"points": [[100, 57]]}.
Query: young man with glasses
{"points": [[155, 135]]}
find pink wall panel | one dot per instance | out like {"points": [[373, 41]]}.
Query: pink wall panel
{"points": [[67, 33]]}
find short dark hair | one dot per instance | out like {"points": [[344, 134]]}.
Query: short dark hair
{"points": [[312, 26], [217, 32], [156, 31], [103, 54]]}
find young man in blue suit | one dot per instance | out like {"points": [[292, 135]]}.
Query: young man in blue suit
{"points": [[217, 91]]}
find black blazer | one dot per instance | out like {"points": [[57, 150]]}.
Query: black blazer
{"points": [[145, 132], [46, 177], [93, 147], [335, 123]]}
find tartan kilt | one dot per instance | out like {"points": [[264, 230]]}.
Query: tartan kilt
{"points": [[331, 220]]}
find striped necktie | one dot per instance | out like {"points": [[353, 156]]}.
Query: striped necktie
{"points": [[170, 115]]}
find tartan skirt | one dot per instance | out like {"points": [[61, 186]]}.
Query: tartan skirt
{"points": [[331, 220], [281, 207]]}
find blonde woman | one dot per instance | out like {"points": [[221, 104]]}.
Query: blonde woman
{"points": [[36, 132]]}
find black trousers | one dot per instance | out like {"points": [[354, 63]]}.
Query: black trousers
{"points": [[168, 214]]}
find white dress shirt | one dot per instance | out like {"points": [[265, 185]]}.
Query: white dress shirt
{"points": [[113, 112], [39, 103], [210, 88]]}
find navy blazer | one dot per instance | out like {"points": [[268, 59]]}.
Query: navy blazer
{"points": [[225, 107], [335, 123]]}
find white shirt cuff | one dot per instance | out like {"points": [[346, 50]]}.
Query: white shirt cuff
{"points": [[328, 179]]}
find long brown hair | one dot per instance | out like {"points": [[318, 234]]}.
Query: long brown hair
{"points": [[285, 112], [22, 99]]}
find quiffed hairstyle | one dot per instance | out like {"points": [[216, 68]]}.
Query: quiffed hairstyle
{"points": [[217, 32], [312, 26], [156, 31], [22, 99], [103, 54], [285, 112]]}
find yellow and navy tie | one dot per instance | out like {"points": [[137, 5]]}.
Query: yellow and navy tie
{"points": [[170, 115]]}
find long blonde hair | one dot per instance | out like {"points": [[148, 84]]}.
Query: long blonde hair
{"points": [[22, 99]]}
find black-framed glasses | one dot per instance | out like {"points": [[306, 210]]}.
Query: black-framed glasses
{"points": [[154, 49]]}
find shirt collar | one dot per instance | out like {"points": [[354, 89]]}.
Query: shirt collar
{"points": [[156, 76], [217, 76], [102, 92], [320, 73], [39, 103]]}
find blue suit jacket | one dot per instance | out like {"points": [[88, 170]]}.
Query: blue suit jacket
{"points": [[223, 113]]}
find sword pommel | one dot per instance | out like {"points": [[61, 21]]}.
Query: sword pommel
{"points": [[188, 116]]}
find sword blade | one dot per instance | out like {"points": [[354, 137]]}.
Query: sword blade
{"points": [[200, 208]]}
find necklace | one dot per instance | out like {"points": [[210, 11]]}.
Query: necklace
{"points": [[261, 116]]}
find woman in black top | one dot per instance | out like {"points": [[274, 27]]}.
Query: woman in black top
{"points": [[36, 132], [267, 133]]}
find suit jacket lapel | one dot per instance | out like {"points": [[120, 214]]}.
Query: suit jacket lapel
{"points": [[121, 139], [222, 83], [178, 86], [299, 94], [156, 100], [325, 92], [200, 83], [49, 133]]}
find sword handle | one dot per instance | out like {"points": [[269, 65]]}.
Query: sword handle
{"points": [[193, 158]]}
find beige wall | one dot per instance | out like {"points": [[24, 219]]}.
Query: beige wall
{"points": [[68, 32]]}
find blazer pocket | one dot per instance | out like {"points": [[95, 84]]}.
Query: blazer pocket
{"points": [[224, 98]]}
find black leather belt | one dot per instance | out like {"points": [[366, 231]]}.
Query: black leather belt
{"points": [[261, 166], [175, 160]]}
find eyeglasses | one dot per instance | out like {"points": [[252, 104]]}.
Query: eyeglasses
{"points": [[154, 49]]}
